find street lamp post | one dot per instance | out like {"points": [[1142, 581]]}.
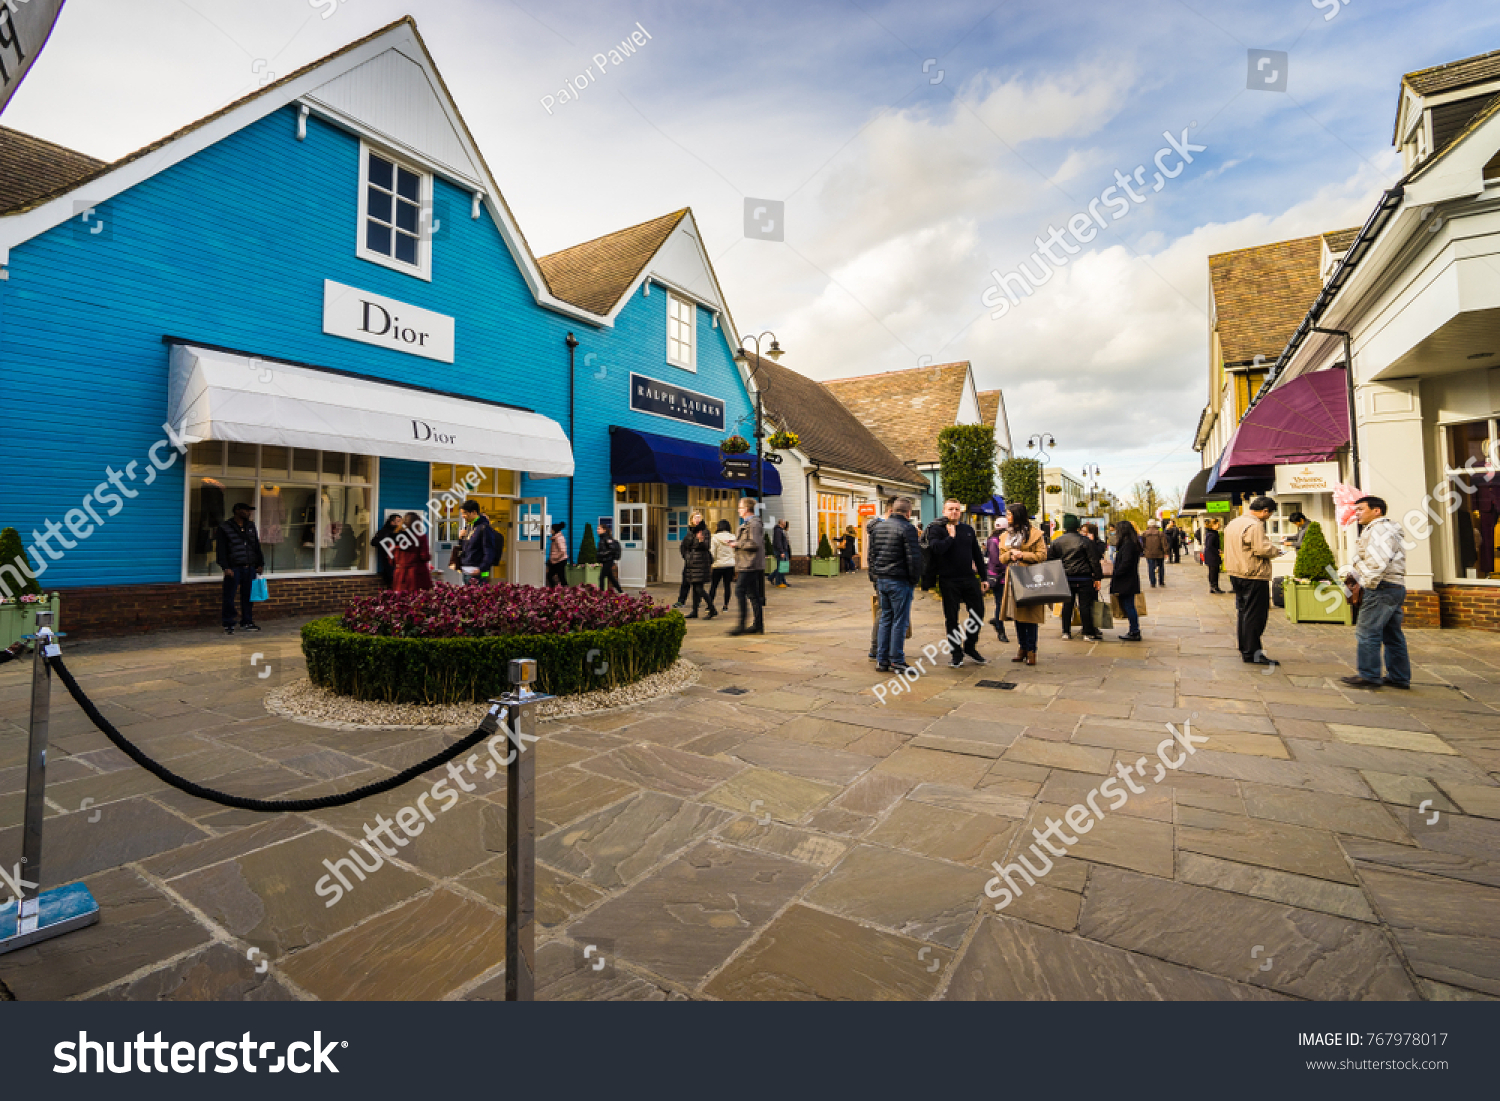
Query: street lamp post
{"points": [[1038, 443], [742, 357], [1091, 471]]}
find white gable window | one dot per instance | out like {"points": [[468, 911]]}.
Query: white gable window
{"points": [[682, 323], [392, 230]]}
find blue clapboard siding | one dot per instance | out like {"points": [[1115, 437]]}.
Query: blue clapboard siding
{"points": [[404, 485], [230, 248]]}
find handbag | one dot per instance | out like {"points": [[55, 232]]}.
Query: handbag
{"points": [[784, 565], [259, 590], [1039, 583], [1116, 608]]}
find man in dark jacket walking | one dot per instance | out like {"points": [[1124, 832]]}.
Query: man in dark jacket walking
{"points": [[481, 550], [896, 565], [960, 568], [870, 527], [237, 551], [1081, 565], [609, 557], [1154, 551], [1213, 555], [750, 567], [781, 546]]}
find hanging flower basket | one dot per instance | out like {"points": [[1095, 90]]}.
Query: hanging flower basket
{"points": [[783, 440], [734, 445]]}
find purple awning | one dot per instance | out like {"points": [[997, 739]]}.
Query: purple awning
{"points": [[1305, 421]]}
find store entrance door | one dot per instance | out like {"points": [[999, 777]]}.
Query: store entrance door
{"points": [[630, 528], [529, 541]]}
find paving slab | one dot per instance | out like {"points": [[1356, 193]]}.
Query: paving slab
{"points": [[620, 843], [904, 893]]}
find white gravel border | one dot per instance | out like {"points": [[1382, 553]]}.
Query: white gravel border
{"points": [[306, 703]]}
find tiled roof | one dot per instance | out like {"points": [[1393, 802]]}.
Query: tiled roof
{"points": [[594, 275], [907, 409], [989, 406], [1262, 294], [1340, 239], [829, 433], [1455, 74], [31, 167]]}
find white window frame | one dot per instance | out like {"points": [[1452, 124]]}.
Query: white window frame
{"points": [[423, 267], [676, 301]]}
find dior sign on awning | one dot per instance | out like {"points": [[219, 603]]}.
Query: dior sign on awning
{"points": [[24, 28]]}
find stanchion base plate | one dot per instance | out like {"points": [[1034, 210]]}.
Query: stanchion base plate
{"points": [[61, 910]]}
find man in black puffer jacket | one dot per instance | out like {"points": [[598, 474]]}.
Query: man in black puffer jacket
{"points": [[1081, 564], [896, 566], [237, 552], [960, 567]]}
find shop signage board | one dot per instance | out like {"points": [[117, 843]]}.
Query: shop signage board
{"points": [[24, 29], [663, 399], [1307, 478], [1216, 506], [867, 510], [736, 463], [374, 319]]}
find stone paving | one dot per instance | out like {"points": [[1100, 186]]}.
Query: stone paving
{"points": [[777, 832]]}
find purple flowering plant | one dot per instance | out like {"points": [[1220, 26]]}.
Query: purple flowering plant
{"points": [[478, 611]]}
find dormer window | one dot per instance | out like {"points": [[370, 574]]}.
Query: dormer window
{"points": [[682, 329], [392, 230]]}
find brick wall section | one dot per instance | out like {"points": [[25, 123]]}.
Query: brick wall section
{"points": [[1470, 606], [1421, 610], [98, 612]]}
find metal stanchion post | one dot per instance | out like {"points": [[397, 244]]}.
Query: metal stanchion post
{"points": [[37, 915], [520, 832]]}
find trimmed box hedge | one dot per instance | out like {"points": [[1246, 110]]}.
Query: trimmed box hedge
{"points": [[467, 669]]}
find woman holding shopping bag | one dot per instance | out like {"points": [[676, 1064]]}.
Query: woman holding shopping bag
{"points": [[996, 573], [1022, 545]]}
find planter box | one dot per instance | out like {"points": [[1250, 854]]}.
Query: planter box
{"points": [[1306, 604], [584, 575], [17, 620], [825, 567]]}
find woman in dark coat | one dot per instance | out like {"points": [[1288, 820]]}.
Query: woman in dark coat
{"points": [[1213, 556], [413, 556], [1125, 582], [385, 565], [698, 566]]}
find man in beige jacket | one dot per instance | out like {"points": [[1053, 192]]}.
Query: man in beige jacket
{"points": [[1247, 560]]}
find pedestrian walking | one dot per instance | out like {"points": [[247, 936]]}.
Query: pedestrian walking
{"points": [[870, 527], [557, 557], [1213, 554], [848, 544], [237, 552], [385, 565], [962, 578], [1247, 559], [479, 551], [413, 556], [682, 590], [1075, 551], [1024, 544], [995, 572], [723, 548], [698, 566], [781, 546], [1379, 571], [1125, 576], [750, 567], [896, 564], [1174, 542], [1154, 549], [609, 551]]}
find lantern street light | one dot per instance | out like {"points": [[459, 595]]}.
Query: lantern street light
{"points": [[742, 357], [1039, 443]]}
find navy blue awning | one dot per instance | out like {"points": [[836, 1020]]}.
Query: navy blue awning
{"points": [[646, 457], [995, 506]]}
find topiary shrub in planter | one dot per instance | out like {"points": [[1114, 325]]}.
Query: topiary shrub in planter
{"points": [[825, 563], [454, 645], [586, 572], [1310, 595]]}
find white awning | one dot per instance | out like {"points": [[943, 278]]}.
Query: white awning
{"points": [[216, 395]]}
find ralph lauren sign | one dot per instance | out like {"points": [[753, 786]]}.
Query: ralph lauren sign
{"points": [[373, 319], [662, 399]]}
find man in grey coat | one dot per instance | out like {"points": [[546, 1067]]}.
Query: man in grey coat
{"points": [[750, 567]]}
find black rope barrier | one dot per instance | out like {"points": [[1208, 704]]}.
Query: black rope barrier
{"points": [[167, 776]]}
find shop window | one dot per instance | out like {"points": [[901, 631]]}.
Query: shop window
{"points": [[391, 200], [488, 487], [682, 319], [1475, 523], [309, 522], [833, 518]]}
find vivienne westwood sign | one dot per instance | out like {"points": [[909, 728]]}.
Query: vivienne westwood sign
{"points": [[663, 399]]}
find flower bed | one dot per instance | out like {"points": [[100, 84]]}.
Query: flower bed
{"points": [[449, 645]]}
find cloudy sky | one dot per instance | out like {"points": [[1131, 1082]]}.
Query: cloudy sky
{"points": [[916, 147]]}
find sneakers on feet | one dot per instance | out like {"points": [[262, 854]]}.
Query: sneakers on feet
{"points": [[248, 627]]}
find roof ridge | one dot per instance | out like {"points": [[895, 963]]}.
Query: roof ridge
{"points": [[51, 144], [1448, 65], [901, 371], [1271, 244], [678, 214]]}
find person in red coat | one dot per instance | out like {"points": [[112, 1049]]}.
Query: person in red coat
{"points": [[413, 556]]}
